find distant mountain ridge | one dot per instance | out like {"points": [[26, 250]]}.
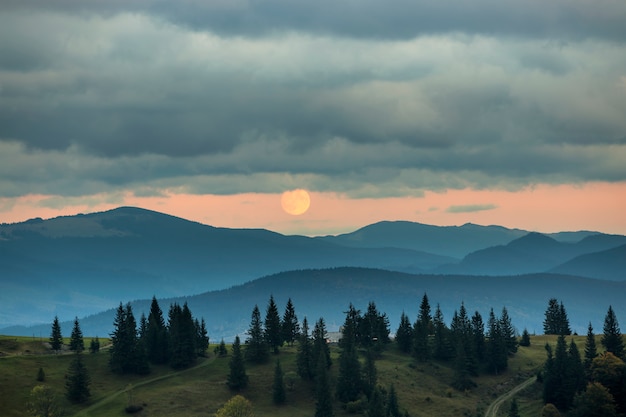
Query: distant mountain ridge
{"points": [[88, 263], [328, 292]]}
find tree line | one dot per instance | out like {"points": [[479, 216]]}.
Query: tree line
{"points": [[468, 343], [587, 385]]}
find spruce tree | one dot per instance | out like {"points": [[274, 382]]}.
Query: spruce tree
{"points": [[77, 380], [421, 330], [56, 338], [591, 350], [478, 337], [256, 349], [323, 396], [320, 347], [508, 331], [349, 378], [496, 349], [290, 327], [278, 387], [376, 404], [404, 334], [157, 343], [304, 359], [202, 337], [393, 409], [221, 349], [94, 346], [373, 329], [237, 377], [525, 339], [575, 373], [121, 346], [273, 331], [441, 338], [612, 337], [182, 336], [370, 373], [76, 340], [556, 321]]}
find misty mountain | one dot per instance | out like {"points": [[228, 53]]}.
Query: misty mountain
{"points": [[453, 241], [608, 264], [328, 292], [89, 262], [535, 253]]}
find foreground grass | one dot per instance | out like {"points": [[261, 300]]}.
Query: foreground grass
{"points": [[423, 389]]}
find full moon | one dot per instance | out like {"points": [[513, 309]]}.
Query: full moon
{"points": [[295, 202]]}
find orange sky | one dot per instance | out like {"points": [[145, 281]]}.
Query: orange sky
{"points": [[593, 206]]}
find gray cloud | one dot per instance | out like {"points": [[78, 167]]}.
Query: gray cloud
{"points": [[94, 98], [471, 208], [396, 19]]}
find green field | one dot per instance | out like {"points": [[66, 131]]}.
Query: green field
{"points": [[423, 389]]}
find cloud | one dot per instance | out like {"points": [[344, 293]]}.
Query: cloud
{"points": [[471, 208], [238, 96]]}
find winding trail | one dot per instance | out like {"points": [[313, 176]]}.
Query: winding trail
{"points": [[87, 411], [493, 408]]}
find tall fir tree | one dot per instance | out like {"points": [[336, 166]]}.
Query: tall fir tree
{"points": [[77, 343], [273, 331], [237, 377], [575, 372], [256, 349], [278, 387], [496, 349], [182, 336], [370, 373], [393, 408], [157, 340], [556, 320], [323, 394], [525, 339], [508, 331], [591, 350], [478, 337], [376, 404], [289, 325], [202, 337], [304, 359], [94, 346], [421, 331], [404, 334], [126, 353], [441, 337], [612, 338], [320, 347], [373, 329], [77, 380], [56, 338], [349, 378]]}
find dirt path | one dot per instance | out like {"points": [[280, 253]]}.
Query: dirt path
{"points": [[87, 411], [492, 410]]}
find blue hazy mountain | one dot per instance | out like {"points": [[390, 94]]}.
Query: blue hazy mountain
{"points": [[84, 264], [87, 262], [534, 253], [453, 241], [607, 264], [328, 292]]}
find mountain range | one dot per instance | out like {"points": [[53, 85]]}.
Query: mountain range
{"points": [[82, 265]]}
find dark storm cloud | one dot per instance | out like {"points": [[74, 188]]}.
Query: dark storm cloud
{"points": [[109, 96], [397, 19]]}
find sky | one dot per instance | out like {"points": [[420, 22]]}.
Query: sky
{"points": [[490, 112]]}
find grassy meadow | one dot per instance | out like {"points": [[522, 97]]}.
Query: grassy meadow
{"points": [[423, 389]]}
